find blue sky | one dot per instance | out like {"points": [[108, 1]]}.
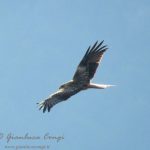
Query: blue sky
{"points": [[41, 44]]}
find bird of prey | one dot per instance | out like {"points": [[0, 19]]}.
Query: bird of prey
{"points": [[81, 79]]}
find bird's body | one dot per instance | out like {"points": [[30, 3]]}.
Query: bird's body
{"points": [[81, 79]]}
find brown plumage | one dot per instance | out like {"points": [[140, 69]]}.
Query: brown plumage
{"points": [[81, 79]]}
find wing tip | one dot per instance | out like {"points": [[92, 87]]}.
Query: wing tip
{"points": [[98, 47], [43, 106]]}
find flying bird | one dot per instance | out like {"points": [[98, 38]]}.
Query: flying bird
{"points": [[81, 79]]}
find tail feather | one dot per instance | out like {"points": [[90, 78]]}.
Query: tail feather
{"points": [[99, 86]]}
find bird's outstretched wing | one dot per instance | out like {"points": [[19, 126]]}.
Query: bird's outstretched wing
{"points": [[89, 63], [59, 96]]}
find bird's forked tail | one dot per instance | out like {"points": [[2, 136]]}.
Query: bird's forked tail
{"points": [[99, 86]]}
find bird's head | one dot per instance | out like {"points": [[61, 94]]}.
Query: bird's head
{"points": [[62, 86]]}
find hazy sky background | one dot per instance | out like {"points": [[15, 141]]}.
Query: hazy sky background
{"points": [[41, 44]]}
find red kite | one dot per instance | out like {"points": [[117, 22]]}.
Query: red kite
{"points": [[81, 79]]}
